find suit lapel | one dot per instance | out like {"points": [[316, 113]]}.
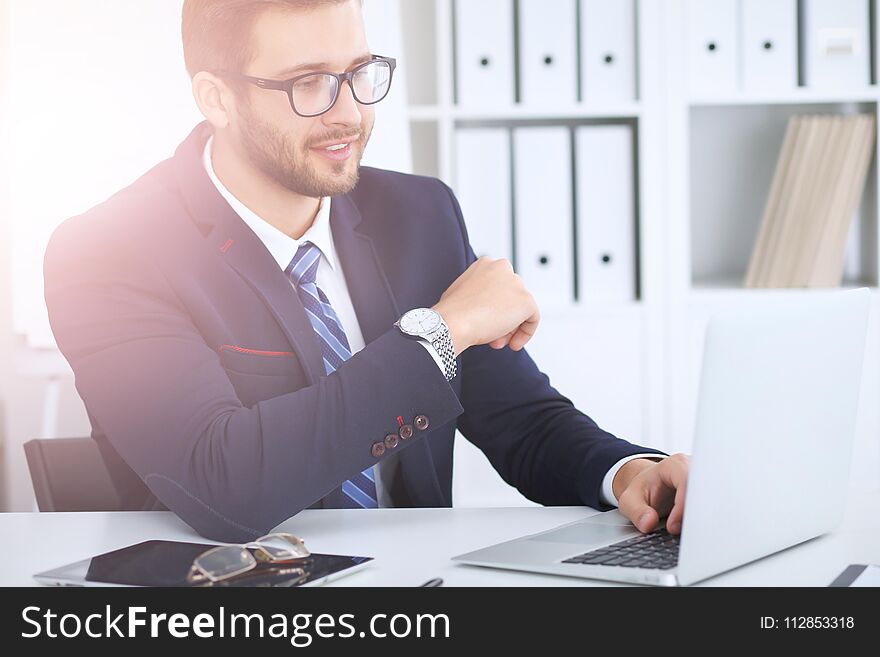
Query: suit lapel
{"points": [[371, 295], [242, 250]]}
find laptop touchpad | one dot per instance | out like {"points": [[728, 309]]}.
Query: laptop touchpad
{"points": [[587, 533]]}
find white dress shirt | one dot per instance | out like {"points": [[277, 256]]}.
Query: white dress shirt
{"points": [[331, 279]]}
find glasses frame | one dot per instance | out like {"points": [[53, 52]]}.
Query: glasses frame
{"points": [[198, 575], [287, 85]]}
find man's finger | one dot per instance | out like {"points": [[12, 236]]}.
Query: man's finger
{"points": [[673, 475], [525, 332], [634, 505], [647, 520], [676, 516], [650, 494], [500, 343], [675, 472]]}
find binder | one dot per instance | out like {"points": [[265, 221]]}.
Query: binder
{"points": [[608, 50], [484, 52], [543, 213], [482, 185], [605, 193], [711, 46], [547, 52], [759, 263], [829, 265], [818, 184], [819, 199], [769, 44], [836, 43], [812, 140]]}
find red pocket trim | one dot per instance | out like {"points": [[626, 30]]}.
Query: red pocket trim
{"points": [[256, 352]]}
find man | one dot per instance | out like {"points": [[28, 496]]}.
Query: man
{"points": [[258, 325]]}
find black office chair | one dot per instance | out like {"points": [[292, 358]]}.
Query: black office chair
{"points": [[69, 474]]}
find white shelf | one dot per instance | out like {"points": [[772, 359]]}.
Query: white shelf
{"points": [[629, 110], [799, 96], [592, 310], [518, 112], [732, 157], [730, 288]]}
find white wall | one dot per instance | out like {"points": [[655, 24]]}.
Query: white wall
{"points": [[97, 94]]}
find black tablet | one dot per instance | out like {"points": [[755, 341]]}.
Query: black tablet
{"points": [[166, 563]]}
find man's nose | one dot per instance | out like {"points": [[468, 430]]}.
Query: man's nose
{"points": [[346, 111]]}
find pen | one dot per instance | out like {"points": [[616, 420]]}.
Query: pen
{"points": [[433, 582]]}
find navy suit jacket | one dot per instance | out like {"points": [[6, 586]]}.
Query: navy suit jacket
{"points": [[203, 378]]}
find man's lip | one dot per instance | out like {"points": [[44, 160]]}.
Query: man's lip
{"points": [[334, 143]]}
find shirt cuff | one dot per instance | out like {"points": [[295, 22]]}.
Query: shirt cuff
{"points": [[607, 494], [434, 354]]}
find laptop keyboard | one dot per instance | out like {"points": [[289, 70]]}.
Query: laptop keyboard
{"points": [[655, 550]]}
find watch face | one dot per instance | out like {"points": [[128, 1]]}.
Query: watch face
{"points": [[420, 321]]}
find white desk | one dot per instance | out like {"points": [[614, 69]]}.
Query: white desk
{"points": [[413, 545]]}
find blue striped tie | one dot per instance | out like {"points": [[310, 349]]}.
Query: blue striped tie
{"points": [[360, 490]]}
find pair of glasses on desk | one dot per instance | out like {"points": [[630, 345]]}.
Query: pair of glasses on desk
{"points": [[285, 553]]}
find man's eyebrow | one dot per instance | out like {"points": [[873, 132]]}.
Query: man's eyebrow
{"points": [[318, 66]]}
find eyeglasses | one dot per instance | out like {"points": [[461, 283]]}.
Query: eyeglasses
{"points": [[313, 94], [227, 561]]}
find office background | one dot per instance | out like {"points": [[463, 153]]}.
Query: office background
{"points": [[620, 152]]}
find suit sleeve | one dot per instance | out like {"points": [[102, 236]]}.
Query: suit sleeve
{"points": [[534, 436], [158, 391]]}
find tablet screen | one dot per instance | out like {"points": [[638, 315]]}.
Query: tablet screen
{"points": [[166, 563]]}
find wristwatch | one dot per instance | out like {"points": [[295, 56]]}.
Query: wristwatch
{"points": [[427, 324]]}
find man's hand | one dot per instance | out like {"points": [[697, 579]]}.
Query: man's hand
{"points": [[488, 304], [649, 490]]}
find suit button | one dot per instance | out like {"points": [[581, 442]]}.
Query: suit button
{"points": [[391, 440], [378, 449], [421, 422], [406, 432]]}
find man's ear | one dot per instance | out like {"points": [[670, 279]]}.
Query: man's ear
{"points": [[214, 98]]}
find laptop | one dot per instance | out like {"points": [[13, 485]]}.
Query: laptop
{"points": [[769, 469]]}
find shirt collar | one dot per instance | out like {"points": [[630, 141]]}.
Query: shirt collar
{"points": [[281, 246]]}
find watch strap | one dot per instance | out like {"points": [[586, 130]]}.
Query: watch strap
{"points": [[442, 344]]}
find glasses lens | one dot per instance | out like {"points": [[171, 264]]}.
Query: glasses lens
{"points": [[313, 94], [371, 82], [225, 561], [280, 547]]}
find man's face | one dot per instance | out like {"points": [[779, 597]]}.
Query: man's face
{"points": [[289, 148]]}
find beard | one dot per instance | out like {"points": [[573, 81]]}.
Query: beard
{"points": [[291, 165]]}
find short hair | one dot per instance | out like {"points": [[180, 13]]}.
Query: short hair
{"points": [[217, 33]]}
